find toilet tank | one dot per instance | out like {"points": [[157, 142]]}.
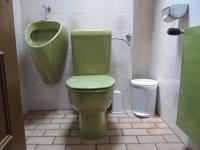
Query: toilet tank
{"points": [[91, 51]]}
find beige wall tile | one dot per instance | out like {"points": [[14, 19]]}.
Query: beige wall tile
{"points": [[135, 132], [123, 139]]}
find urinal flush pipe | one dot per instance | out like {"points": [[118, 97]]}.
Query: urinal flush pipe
{"points": [[47, 10]]}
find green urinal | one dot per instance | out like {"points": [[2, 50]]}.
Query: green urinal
{"points": [[48, 43]]}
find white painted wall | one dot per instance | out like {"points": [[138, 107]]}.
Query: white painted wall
{"points": [[161, 56], [116, 15]]}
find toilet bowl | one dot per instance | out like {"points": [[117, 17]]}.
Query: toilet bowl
{"points": [[90, 90], [48, 43]]}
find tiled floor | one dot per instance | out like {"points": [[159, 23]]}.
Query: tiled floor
{"points": [[58, 130]]}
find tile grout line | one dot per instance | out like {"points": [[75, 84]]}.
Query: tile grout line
{"points": [[126, 146], [156, 146]]}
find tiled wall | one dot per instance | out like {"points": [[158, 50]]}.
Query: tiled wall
{"points": [[164, 56], [142, 27], [116, 15], [20, 50]]}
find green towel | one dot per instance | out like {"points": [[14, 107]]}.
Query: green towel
{"points": [[189, 97]]}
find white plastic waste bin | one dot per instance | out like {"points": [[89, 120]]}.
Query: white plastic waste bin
{"points": [[144, 93]]}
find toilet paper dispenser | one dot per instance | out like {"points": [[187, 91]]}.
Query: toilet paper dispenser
{"points": [[174, 12]]}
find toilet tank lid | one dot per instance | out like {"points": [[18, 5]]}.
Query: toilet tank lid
{"points": [[144, 82], [90, 82], [91, 32]]}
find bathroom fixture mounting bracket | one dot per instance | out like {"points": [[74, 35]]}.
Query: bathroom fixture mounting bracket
{"points": [[47, 10]]}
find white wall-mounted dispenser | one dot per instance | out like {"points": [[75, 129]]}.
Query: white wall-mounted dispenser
{"points": [[174, 12]]}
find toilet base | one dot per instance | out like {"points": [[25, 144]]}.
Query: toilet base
{"points": [[92, 126]]}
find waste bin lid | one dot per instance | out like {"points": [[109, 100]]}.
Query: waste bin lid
{"points": [[144, 82]]}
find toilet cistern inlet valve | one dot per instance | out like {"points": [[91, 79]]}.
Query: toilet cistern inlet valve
{"points": [[47, 10]]}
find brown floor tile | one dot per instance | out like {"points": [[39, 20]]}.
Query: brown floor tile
{"points": [[63, 121], [57, 132], [75, 133], [111, 147], [103, 140], [152, 120], [67, 140], [40, 140], [123, 139], [48, 126], [80, 147], [34, 132], [144, 125], [117, 115], [159, 131], [69, 126], [30, 147], [172, 138], [135, 132], [142, 147], [119, 125], [114, 132], [161, 125], [171, 146], [129, 120], [151, 139], [50, 147]]}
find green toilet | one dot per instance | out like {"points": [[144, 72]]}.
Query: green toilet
{"points": [[90, 90]]}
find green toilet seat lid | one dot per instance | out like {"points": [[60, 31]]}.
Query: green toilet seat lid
{"points": [[90, 82]]}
